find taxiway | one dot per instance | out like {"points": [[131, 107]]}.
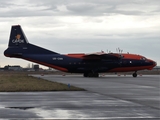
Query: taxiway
{"points": [[108, 97]]}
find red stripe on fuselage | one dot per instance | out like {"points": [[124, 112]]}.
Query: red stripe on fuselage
{"points": [[132, 56], [49, 65], [76, 55]]}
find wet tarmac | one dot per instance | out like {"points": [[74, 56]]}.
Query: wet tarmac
{"points": [[107, 97]]}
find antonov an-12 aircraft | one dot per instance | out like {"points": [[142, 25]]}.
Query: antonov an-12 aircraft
{"points": [[88, 64]]}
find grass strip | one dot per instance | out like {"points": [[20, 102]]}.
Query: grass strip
{"points": [[24, 83]]}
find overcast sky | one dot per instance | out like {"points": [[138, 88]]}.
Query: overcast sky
{"points": [[84, 26]]}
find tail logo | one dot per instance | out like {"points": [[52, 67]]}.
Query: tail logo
{"points": [[17, 39]]}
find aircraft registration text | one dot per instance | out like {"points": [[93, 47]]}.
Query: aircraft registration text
{"points": [[57, 58]]}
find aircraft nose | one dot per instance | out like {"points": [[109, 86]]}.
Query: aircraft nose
{"points": [[153, 63]]}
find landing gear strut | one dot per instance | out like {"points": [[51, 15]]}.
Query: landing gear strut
{"points": [[91, 75], [134, 74]]}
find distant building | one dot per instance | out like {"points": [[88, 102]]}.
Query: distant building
{"points": [[157, 68], [13, 68], [1, 69], [36, 67]]}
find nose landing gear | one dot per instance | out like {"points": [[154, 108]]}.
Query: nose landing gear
{"points": [[134, 74]]}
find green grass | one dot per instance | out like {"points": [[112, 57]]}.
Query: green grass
{"points": [[20, 82]]}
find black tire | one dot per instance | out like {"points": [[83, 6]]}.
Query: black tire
{"points": [[96, 75], [134, 74], [91, 75], [85, 74]]}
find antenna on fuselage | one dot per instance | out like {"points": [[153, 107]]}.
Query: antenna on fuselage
{"points": [[119, 51]]}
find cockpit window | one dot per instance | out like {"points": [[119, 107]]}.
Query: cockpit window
{"points": [[143, 58]]}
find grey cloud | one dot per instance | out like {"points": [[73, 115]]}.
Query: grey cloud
{"points": [[81, 7], [76, 8]]}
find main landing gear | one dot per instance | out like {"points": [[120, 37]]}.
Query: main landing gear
{"points": [[134, 74], [91, 74]]}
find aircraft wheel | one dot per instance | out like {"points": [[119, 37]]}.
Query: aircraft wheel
{"points": [[135, 74], [91, 75], [96, 75], [85, 74]]}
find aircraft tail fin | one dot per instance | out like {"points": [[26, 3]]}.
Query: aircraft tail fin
{"points": [[19, 46], [17, 37]]}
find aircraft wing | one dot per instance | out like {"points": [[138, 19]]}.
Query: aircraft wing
{"points": [[105, 56]]}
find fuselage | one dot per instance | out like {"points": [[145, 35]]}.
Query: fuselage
{"points": [[76, 63], [89, 64]]}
